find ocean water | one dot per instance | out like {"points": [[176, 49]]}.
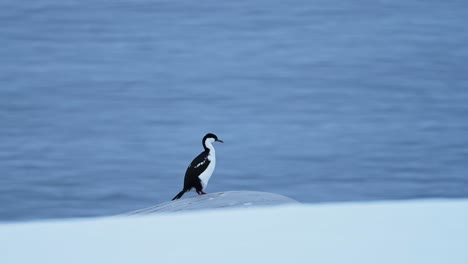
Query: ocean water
{"points": [[103, 104]]}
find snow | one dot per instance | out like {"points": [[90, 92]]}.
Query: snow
{"points": [[232, 199], [424, 231]]}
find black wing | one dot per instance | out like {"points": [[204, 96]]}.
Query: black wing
{"points": [[196, 167]]}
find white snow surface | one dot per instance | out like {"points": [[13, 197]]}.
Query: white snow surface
{"points": [[425, 231], [231, 199]]}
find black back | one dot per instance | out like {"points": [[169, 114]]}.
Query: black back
{"points": [[196, 167]]}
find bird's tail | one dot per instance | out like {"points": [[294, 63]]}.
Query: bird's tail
{"points": [[179, 195]]}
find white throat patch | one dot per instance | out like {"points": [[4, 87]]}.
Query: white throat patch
{"points": [[209, 145], [206, 175]]}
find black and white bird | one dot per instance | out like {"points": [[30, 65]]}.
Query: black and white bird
{"points": [[201, 168]]}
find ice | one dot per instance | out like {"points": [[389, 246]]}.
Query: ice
{"points": [[232, 199], [423, 231]]}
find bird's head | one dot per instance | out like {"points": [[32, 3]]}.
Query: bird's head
{"points": [[210, 138]]}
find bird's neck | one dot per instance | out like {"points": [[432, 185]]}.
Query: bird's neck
{"points": [[209, 147]]}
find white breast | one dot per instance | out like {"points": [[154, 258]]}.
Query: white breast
{"points": [[206, 175]]}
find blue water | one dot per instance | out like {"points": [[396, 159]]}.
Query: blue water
{"points": [[103, 104]]}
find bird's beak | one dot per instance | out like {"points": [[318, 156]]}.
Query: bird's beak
{"points": [[219, 140]]}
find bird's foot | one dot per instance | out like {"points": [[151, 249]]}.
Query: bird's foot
{"points": [[201, 192]]}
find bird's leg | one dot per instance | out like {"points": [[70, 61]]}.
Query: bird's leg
{"points": [[201, 192]]}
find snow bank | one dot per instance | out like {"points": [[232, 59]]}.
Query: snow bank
{"points": [[232, 199], [380, 232]]}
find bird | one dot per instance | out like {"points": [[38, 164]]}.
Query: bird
{"points": [[201, 168]]}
